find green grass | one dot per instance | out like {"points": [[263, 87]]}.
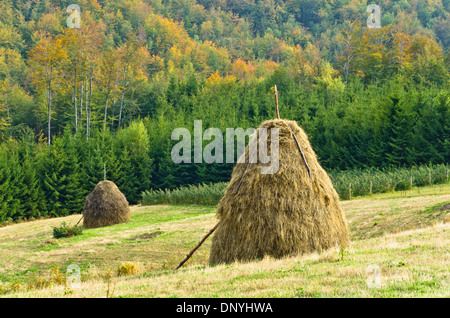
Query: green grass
{"points": [[410, 244]]}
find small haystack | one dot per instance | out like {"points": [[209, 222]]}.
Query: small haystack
{"points": [[293, 211], [106, 205]]}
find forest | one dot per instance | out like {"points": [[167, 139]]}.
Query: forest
{"points": [[78, 105]]}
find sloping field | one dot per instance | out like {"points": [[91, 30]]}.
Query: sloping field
{"points": [[400, 248]]}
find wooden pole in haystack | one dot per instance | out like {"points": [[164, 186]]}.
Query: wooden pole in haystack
{"points": [[188, 256], [237, 188], [295, 138], [80, 220], [276, 102], [301, 152]]}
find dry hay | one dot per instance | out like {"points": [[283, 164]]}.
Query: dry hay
{"points": [[106, 205], [281, 214]]}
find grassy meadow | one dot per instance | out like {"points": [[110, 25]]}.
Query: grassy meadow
{"points": [[405, 234]]}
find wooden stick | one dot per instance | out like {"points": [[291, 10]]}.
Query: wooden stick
{"points": [[276, 102], [80, 220], [300, 148], [198, 245], [298, 144], [251, 155], [240, 181]]}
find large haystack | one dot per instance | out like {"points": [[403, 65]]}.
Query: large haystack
{"points": [[106, 205], [281, 214]]}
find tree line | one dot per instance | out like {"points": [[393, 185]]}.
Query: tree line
{"points": [[388, 126]]}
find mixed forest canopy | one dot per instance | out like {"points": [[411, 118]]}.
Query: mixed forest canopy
{"points": [[81, 104]]}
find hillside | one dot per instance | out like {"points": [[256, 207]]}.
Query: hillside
{"points": [[404, 233], [105, 98]]}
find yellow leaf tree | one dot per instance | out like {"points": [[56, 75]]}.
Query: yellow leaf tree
{"points": [[45, 62]]}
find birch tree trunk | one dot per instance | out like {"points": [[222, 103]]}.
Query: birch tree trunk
{"points": [[106, 108], [49, 106], [112, 115], [124, 85], [87, 92], [81, 104], [89, 106], [75, 101], [121, 108], [114, 103]]}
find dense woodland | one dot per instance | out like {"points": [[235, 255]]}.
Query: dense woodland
{"points": [[81, 104]]}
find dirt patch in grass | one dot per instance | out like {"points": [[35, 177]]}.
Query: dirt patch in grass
{"points": [[146, 208], [146, 236]]}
